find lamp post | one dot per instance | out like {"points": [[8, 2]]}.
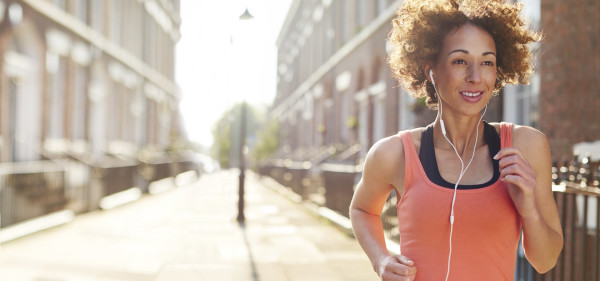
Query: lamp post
{"points": [[241, 218]]}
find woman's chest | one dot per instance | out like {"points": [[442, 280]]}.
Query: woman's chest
{"points": [[478, 171]]}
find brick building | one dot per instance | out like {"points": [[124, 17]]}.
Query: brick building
{"points": [[88, 102], [94, 73], [570, 74], [334, 85]]}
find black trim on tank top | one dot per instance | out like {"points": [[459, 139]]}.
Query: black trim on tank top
{"points": [[429, 162]]}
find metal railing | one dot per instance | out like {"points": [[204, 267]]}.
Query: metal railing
{"points": [[29, 190], [577, 194], [326, 179]]}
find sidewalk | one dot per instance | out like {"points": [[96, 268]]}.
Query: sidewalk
{"points": [[191, 233]]}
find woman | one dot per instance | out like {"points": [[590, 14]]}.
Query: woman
{"points": [[466, 188]]}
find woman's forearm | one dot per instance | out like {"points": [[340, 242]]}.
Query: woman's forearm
{"points": [[541, 243], [368, 231]]}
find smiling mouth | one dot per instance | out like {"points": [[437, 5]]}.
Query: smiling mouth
{"points": [[472, 95]]}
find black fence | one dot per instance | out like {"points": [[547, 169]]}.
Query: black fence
{"points": [[577, 194], [29, 190], [328, 185], [33, 189]]}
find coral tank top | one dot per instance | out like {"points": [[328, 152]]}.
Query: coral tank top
{"points": [[486, 231]]}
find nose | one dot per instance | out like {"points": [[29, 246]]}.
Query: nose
{"points": [[473, 74]]}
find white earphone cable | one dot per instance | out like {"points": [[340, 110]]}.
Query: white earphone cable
{"points": [[463, 169], [462, 173]]}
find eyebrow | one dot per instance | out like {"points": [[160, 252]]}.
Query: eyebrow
{"points": [[466, 52]]}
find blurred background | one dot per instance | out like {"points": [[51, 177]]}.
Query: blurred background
{"points": [[107, 97]]}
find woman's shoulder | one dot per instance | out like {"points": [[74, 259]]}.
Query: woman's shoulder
{"points": [[526, 138], [386, 158], [521, 134], [529, 138], [391, 149]]}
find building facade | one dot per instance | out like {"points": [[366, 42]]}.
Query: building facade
{"points": [[86, 87], [335, 95], [86, 74], [334, 86]]}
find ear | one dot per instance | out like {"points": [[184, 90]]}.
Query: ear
{"points": [[427, 68]]}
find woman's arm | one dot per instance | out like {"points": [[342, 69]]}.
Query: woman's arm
{"points": [[382, 165], [526, 167]]}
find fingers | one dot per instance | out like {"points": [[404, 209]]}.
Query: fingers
{"points": [[508, 151], [404, 267], [398, 268], [515, 180], [404, 260], [515, 170], [509, 156], [394, 277], [512, 162]]}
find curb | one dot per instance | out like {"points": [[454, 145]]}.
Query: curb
{"points": [[35, 225], [339, 221]]}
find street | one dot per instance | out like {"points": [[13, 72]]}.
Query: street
{"points": [[191, 233]]}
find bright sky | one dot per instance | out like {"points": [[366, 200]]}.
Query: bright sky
{"points": [[221, 60]]}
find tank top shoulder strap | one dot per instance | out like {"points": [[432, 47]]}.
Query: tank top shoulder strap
{"points": [[506, 134], [411, 159]]}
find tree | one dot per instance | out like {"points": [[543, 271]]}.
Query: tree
{"points": [[226, 133], [267, 142], [221, 147]]}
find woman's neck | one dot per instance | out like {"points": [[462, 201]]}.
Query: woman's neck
{"points": [[460, 131]]}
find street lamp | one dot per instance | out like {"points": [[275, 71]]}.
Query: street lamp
{"points": [[246, 15], [241, 218]]}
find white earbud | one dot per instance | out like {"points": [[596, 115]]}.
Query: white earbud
{"points": [[439, 101], [443, 127]]}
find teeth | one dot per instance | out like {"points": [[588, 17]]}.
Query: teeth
{"points": [[471, 94]]}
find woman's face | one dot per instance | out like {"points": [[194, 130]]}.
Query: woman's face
{"points": [[465, 72]]}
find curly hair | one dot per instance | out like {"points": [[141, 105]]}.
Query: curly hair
{"points": [[420, 27]]}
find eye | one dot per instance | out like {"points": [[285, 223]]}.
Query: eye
{"points": [[488, 63], [459, 61]]}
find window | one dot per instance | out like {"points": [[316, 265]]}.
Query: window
{"points": [[61, 4], [80, 9], [379, 117], [116, 21], [79, 103], [341, 38], [527, 102], [344, 115], [361, 14], [97, 16], [381, 6], [57, 97], [406, 114], [521, 103]]}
